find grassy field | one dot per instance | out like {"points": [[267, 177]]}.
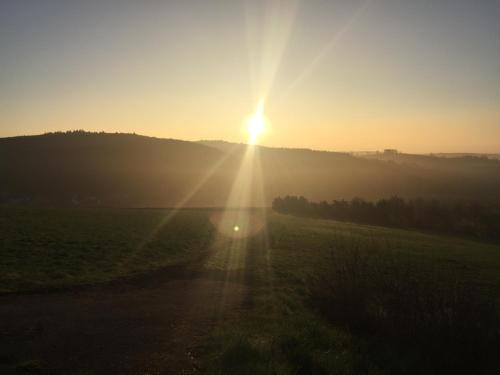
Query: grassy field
{"points": [[53, 248], [284, 333], [280, 330]]}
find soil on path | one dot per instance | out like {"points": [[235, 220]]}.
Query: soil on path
{"points": [[148, 325]]}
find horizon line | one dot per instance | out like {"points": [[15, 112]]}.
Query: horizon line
{"points": [[350, 152]]}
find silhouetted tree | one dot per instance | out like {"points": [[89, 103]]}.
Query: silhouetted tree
{"points": [[472, 219]]}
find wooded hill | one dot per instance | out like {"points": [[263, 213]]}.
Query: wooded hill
{"points": [[128, 170]]}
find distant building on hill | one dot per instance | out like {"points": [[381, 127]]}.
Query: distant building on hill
{"points": [[390, 151]]}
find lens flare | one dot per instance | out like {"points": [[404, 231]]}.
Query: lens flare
{"points": [[256, 123]]}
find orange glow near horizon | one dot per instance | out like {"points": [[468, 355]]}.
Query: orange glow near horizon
{"points": [[332, 75]]}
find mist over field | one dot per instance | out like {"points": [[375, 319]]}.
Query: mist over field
{"points": [[250, 187], [126, 170]]}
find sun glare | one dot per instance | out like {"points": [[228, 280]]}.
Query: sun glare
{"points": [[256, 123]]}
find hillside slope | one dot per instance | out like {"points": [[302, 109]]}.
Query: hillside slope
{"points": [[127, 170], [107, 169]]}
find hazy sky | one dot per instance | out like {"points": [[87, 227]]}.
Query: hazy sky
{"points": [[417, 75]]}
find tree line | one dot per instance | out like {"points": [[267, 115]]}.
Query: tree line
{"points": [[479, 220]]}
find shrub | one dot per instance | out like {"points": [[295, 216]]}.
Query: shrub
{"points": [[448, 323]]}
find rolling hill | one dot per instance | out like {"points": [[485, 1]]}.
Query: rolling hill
{"points": [[128, 170]]}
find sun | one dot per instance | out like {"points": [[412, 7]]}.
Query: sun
{"points": [[256, 123]]}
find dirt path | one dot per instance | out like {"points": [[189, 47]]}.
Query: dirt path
{"points": [[150, 325]]}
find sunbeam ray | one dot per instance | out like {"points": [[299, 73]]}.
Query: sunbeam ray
{"points": [[173, 211], [266, 43], [309, 69]]}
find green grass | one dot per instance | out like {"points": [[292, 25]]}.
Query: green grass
{"points": [[52, 248], [279, 331], [283, 334], [294, 239]]}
